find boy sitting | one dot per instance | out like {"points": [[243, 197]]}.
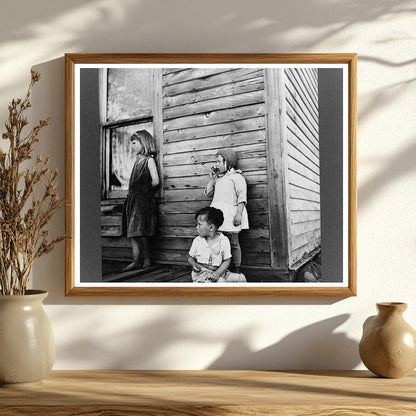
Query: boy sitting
{"points": [[210, 253]]}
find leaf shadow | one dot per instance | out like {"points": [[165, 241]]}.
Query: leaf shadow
{"points": [[316, 346]]}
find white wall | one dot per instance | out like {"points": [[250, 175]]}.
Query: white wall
{"points": [[201, 333]]}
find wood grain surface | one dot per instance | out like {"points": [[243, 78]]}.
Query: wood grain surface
{"points": [[213, 393]]}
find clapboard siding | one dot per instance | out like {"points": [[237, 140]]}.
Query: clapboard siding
{"points": [[298, 143], [203, 111], [252, 164], [196, 84], [213, 105], [300, 166], [214, 117], [302, 136], [237, 126], [205, 156], [241, 87], [305, 244], [194, 206], [307, 159], [215, 143], [258, 219], [305, 215], [299, 88], [295, 178], [184, 216], [259, 191], [297, 204], [184, 244], [300, 109], [303, 125], [191, 73], [294, 133], [178, 231], [200, 181], [298, 192]]}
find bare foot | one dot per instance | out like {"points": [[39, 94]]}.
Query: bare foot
{"points": [[147, 264], [132, 266]]}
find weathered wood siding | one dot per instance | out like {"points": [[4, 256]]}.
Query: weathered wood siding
{"points": [[302, 150], [204, 110]]}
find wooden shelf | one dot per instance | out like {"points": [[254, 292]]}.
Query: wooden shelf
{"points": [[203, 393]]}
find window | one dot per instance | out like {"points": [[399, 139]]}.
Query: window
{"points": [[128, 104]]}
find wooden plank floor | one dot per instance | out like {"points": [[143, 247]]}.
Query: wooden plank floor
{"points": [[162, 273], [156, 274]]}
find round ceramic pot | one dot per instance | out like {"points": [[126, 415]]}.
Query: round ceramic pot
{"points": [[388, 345], [27, 347]]}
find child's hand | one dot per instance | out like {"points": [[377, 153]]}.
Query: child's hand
{"points": [[237, 219], [214, 276], [213, 173], [196, 268]]}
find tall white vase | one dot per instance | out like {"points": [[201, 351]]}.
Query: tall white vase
{"points": [[27, 346]]}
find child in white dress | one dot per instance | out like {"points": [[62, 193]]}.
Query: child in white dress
{"points": [[229, 190], [210, 253]]}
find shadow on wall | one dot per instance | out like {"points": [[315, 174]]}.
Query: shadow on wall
{"points": [[96, 19], [403, 162], [107, 26], [399, 165], [141, 347], [29, 35], [153, 345], [314, 347]]}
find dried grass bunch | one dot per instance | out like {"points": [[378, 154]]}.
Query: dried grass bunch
{"points": [[28, 199]]}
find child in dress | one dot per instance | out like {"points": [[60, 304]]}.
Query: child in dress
{"points": [[230, 196], [139, 209], [210, 253]]}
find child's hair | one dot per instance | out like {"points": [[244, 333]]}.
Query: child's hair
{"points": [[146, 140], [229, 156], [212, 216]]}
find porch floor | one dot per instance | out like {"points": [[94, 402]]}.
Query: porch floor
{"points": [[164, 273], [159, 273]]}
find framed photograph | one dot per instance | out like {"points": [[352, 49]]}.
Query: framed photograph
{"points": [[211, 174]]}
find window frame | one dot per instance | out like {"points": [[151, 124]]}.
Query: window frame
{"points": [[153, 115]]}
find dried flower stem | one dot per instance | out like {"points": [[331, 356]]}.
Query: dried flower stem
{"points": [[23, 218]]}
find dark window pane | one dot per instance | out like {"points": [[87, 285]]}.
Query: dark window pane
{"points": [[122, 158]]}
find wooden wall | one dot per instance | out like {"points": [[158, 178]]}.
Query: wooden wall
{"points": [[302, 151], [205, 110]]}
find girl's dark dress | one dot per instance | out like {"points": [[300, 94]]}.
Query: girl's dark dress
{"points": [[139, 209]]}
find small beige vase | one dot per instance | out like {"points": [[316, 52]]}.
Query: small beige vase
{"points": [[27, 347], [388, 345]]}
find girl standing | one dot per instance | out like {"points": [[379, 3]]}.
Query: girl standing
{"points": [[230, 196], [139, 209]]}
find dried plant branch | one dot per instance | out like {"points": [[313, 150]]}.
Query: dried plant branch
{"points": [[23, 218]]}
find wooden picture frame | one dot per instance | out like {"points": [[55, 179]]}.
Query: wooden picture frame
{"points": [[291, 120]]}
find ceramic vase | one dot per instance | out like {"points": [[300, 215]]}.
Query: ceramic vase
{"points": [[388, 345], [27, 347]]}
